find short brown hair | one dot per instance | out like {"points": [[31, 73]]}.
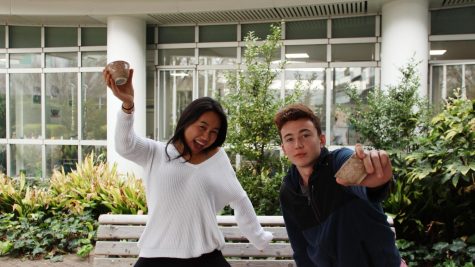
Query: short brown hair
{"points": [[295, 112]]}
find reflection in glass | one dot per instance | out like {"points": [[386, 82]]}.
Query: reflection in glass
{"points": [[25, 61], [361, 78], [462, 49], [93, 36], [312, 83], [354, 27], [176, 34], [437, 86], [61, 105], [306, 29], [62, 60], [24, 36], [94, 59], [26, 159], [3, 107], [3, 61], [176, 57], [217, 56], [261, 30], [100, 153], [353, 52], [61, 36], [176, 86], [25, 105], [94, 106], [470, 81], [60, 157], [3, 159], [212, 83], [454, 79], [218, 33], [305, 53]]}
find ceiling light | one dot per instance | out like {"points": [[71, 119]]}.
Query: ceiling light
{"points": [[297, 55], [437, 52]]}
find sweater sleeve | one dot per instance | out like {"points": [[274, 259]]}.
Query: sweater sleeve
{"points": [[248, 223], [128, 144]]}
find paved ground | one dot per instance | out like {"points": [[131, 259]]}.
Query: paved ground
{"points": [[69, 261]]}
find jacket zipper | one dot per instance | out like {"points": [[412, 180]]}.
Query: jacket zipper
{"points": [[311, 203]]}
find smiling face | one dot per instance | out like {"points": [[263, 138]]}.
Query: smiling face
{"points": [[202, 133], [301, 142]]}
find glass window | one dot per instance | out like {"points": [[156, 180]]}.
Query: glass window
{"points": [[61, 60], [26, 160], [2, 36], [61, 105], [61, 36], [217, 56], [453, 50], [174, 84], [470, 81], [453, 21], [150, 37], [176, 57], [24, 37], [3, 106], [307, 29], [60, 157], [362, 78], [312, 82], [218, 33], [354, 27], [454, 79], [25, 105], [100, 153], [437, 85], [93, 36], [353, 52], [175, 35], [94, 106], [275, 56], [3, 158], [94, 59], [25, 61], [261, 30], [305, 53], [212, 83], [3, 61]]}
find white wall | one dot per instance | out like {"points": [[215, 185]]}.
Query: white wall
{"points": [[405, 33], [126, 40]]}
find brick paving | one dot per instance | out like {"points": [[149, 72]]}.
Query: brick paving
{"points": [[68, 261]]}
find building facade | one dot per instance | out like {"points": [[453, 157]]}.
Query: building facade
{"points": [[55, 107]]}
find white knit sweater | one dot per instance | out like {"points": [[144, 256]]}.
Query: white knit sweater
{"points": [[183, 198]]}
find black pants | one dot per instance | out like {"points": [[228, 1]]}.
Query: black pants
{"points": [[212, 259]]}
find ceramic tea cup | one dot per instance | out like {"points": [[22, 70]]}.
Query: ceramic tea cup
{"points": [[119, 71]]}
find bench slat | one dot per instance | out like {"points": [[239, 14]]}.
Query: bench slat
{"points": [[110, 232], [223, 220], [129, 262], [118, 248]]}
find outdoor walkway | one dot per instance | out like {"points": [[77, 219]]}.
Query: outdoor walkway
{"points": [[69, 261]]}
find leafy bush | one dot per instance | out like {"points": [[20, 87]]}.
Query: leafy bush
{"points": [[389, 119], [441, 254], [47, 220], [47, 235], [442, 170]]}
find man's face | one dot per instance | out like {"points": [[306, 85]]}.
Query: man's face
{"points": [[301, 142]]}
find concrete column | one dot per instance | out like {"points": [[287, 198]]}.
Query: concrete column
{"points": [[405, 34], [126, 40]]}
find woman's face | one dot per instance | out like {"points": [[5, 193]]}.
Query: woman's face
{"points": [[202, 133]]}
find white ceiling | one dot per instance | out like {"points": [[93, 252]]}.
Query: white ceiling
{"points": [[95, 12]]}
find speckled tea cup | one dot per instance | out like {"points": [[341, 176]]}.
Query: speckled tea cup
{"points": [[119, 71]]}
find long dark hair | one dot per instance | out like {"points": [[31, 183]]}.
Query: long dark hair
{"points": [[191, 114]]}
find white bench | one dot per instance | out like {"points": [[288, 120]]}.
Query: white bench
{"points": [[117, 238]]}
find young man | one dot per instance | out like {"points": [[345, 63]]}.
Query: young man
{"points": [[331, 222]]}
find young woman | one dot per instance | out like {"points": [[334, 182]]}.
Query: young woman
{"points": [[187, 181]]}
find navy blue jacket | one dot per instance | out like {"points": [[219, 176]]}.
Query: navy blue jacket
{"points": [[336, 226]]}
